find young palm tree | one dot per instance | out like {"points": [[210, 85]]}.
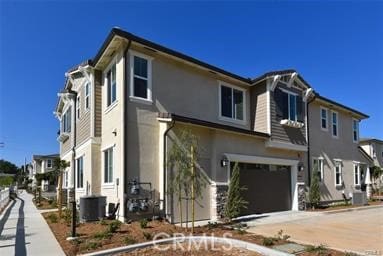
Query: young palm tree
{"points": [[59, 166]]}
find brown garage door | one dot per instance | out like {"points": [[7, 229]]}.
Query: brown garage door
{"points": [[268, 188]]}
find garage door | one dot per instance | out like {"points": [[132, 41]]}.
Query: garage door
{"points": [[268, 188]]}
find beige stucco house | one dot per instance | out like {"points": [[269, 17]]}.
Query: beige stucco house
{"points": [[121, 112]]}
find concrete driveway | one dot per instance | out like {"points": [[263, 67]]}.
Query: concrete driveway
{"points": [[359, 231]]}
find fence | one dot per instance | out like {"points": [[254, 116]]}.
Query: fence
{"points": [[4, 198]]}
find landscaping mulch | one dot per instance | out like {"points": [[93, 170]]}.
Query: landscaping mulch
{"points": [[341, 207], [44, 204], [93, 236]]}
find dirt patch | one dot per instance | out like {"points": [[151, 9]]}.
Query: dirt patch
{"points": [[96, 236], [45, 204]]}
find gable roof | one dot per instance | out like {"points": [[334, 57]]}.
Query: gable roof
{"points": [[279, 72]]}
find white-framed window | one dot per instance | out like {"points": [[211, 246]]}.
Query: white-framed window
{"points": [[292, 105], [78, 107], [232, 103], [323, 118], [66, 121], [80, 172], [108, 165], [356, 174], [49, 163], [318, 167], [111, 85], [355, 130], [140, 76], [335, 124], [338, 173], [87, 96]]}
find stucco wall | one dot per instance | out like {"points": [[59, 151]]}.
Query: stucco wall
{"points": [[322, 144]]}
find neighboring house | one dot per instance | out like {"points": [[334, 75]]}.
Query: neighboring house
{"points": [[334, 148], [43, 164], [374, 148], [121, 112]]}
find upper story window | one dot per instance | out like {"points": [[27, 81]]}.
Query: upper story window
{"points": [[338, 173], [111, 93], [80, 173], [232, 103], [49, 163], [78, 107], [323, 117], [355, 130], [87, 94], [335, 121], [318, 167], [141, 73], [66, 121], [289, 105]]}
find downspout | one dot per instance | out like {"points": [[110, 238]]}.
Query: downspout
{"points": [[308, 141], [165, 162], [125, 130], [74, 210]]}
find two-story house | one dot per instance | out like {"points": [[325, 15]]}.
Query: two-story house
{"points": [[43, 164], [141, 95], [334, 148], [374, 148]]}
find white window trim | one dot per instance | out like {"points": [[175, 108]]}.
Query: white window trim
{"points": [[78, 107], [337, 124], [357, 130], [108, 184], [105, 75], [79, 189], [320, 118], [358, 170], [338, 162], [149, 59], [228, 119], [321, 167], [87, 95], [49, 165]]}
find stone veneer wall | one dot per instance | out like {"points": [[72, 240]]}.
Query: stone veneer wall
{"points": [[221, 198], [301, 197]]}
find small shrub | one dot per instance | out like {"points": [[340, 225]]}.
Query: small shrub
{"points": [[268, 241], [67, 216], [211, 225], [114, 226], [102, 235], [129, 240], [52, 218], [241, 231], [91, 245], [147, 235], [281, 236], [103, 222], [143, 223], [53, 203], [320, 249]]}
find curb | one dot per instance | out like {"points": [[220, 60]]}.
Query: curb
{"points": [[194, 239], [353, 209]]}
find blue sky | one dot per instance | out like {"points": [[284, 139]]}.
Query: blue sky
{"points": [[336, 46]]}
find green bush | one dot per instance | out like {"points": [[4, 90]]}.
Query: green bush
{"points": [[212, 225], [129, 240], [147, 235], [114, 226], [268, 241], [53, 218], [91, 245], [103, 222], [102, 235], [319, 250], [143, 223]]}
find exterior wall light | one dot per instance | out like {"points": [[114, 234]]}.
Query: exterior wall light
{"points": [[224, 162]]}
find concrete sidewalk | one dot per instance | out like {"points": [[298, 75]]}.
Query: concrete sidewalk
{"points": [[23, 231]]}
